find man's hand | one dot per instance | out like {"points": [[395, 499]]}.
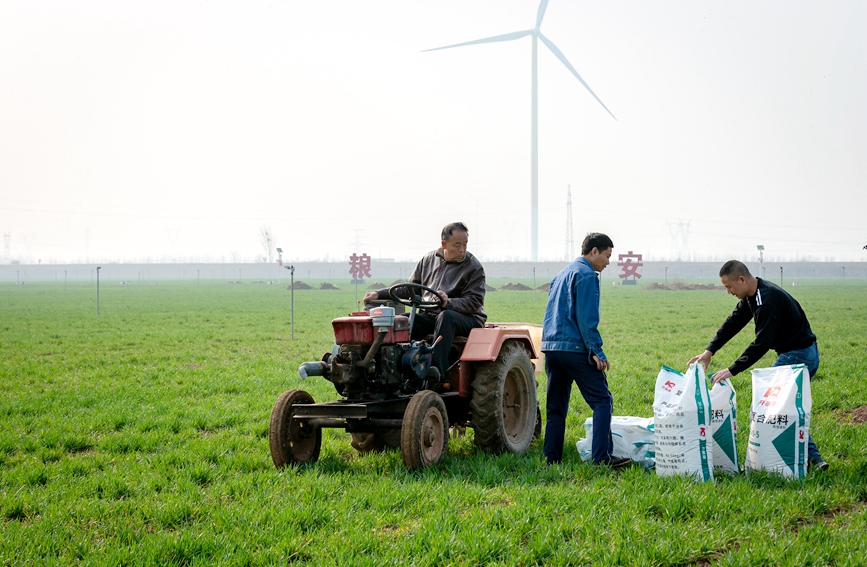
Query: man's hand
{"points": [[703, 358], [445, 297], [602, 365], [370, 295], [721, 375]]}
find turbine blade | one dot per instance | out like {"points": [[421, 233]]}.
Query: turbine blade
{"points": [[492, 39], [543, 5], [562, 58]]}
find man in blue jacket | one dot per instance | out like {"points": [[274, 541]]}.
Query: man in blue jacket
{"points": [[573, 352]]}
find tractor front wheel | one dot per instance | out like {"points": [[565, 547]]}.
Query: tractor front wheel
{"points": [[292, 441], [504, 408], [424, 436]]}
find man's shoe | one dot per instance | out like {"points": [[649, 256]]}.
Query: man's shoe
{"points": [[616, 462], [820, 464]]}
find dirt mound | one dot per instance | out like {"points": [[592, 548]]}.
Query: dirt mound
{"points": [[299, 285], [376, 285], [490, 288], [326, 285], [859, 415], [516, 287], [545, 287], [397, 282]]}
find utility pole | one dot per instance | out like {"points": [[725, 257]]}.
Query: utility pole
{"points": [[97, 290], [292, 299]]}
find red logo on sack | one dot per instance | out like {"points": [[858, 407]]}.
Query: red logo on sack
{"points": [[801, 434], [668, 385], [701, 432], [772, 392]]}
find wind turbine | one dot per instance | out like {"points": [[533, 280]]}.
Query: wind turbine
{"points": [[536, 34]]}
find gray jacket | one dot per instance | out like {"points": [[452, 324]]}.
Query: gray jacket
{"points": [[463, 282]]}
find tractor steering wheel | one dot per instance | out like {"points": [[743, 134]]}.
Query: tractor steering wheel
{"points": [[416, 299]]}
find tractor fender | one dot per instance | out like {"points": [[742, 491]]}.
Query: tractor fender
{"points": [[483, 345]]}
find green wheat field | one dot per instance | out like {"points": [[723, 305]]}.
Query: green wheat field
{"points": [[140, 437]]}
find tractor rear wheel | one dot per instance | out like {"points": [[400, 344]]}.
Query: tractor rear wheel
{"points": [[424, 436], [377, 441], [504, 408], [292, 442]]}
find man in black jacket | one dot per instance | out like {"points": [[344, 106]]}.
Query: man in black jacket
{"points": [[780, 325], [460, 279]]}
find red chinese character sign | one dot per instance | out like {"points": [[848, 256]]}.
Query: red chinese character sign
{"points": [[359, 267], [629, 267]]}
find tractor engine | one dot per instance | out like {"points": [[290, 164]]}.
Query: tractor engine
{"points": [[373, 354]]}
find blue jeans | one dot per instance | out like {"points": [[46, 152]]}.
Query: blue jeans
{"points": [[809, 357], [563, 368]]}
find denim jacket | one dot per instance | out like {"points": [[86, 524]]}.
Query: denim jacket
{"points": [[572, 316]]}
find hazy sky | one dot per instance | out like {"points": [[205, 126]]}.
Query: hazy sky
{"points": [[134, 131]]}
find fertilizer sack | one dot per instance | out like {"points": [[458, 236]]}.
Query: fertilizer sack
{"points": [[780, 420], [681, 417], [724, 427], [632, 436]]}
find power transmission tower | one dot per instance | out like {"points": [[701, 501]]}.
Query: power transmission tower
{"points": [[679, 239], [358, 243], [570, 239]]}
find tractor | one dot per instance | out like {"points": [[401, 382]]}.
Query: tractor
{"points": [[391, 396]]}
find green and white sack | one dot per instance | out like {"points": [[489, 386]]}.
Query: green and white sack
{"points": [[780, 420], [724, 425], [681, 418], [632, 437]]}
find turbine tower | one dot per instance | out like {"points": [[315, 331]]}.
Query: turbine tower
{"points": [[536, 34]]}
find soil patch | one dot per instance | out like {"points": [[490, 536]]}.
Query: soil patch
{"points": [[545, 287], [299, 285], [859, 415], [490, 288], [326, 285], [376, 285], [516, 287]]}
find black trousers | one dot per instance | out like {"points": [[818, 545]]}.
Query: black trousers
{"points": [[447, 324]]}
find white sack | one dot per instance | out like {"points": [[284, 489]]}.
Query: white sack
{"points": [[780, 420], [632, 437], [682, 419], [724, 422]]}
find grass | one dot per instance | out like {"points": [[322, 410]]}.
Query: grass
{"points": [[139, 437]]}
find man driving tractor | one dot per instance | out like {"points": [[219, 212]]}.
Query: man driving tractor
{"points": [[459, 278]]}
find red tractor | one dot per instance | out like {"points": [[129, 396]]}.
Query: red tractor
{"points": [[392, 397]]}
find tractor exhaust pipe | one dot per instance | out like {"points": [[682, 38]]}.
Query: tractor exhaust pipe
{"points": [[317, 368], [380, 336]]}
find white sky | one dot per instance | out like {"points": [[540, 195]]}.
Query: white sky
{"points": [[135, 131]]}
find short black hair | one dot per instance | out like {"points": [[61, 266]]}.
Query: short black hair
{"points": [[451, 227], [596, 240], [734, 268]]}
